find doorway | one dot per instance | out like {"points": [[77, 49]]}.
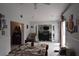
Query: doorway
{"points": [[45, 32], [17, 34]]}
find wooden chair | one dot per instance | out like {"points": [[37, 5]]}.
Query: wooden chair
{"points": [[31, 38]]}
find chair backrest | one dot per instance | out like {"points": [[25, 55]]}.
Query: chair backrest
{"points": [[31, 37]]}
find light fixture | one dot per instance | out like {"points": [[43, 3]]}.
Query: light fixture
{"points": [[21, 16]]}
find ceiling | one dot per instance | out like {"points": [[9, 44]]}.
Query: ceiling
{"points": [[43, 11], [40, 11]]}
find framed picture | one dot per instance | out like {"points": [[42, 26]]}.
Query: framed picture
{"points": [[0, 24], [70, 24], [3, 32], [27, 26], [31, 26], [77, 21]]}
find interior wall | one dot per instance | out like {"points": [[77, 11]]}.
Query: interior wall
{"points": [[11, 14], [70, 40], [5, 40]]}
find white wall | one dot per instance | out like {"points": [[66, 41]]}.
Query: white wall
{"points": [[5, 40], [73, 42], [70, 40], [11, 14]]}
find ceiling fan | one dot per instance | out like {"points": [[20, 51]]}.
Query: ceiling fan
{"points": [[35, 5]]}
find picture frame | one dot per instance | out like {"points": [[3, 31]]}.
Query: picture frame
{"points": [[27, 26], [3, 32], [70, 24], [31, 26], [1, 20], [0, 24]]}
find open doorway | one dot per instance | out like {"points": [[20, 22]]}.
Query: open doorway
{"points": [[17, 31], [45, 32]]}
